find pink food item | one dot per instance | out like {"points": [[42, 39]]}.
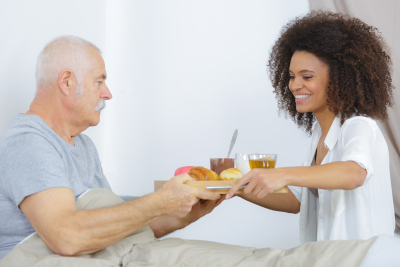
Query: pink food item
{"points": [[181, 170]]}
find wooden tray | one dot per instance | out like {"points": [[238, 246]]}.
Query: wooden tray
{"points": [[204, 184]]}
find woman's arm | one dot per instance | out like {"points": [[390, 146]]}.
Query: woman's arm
{"points": [[345, 175], [279, 202]]}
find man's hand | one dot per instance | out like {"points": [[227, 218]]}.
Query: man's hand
{"points": [[165, 225], [181, 205], [199, 210], [178, 198]]}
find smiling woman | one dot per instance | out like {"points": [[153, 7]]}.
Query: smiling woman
{"points": [[353, 52], [331, 74]]}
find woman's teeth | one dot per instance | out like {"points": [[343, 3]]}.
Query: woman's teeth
{"points": [[301, 96]]}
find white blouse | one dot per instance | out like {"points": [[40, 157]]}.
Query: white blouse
{"points": [[361, 213]]}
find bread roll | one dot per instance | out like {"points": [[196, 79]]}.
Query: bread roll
{"points": [[230, 174], [203, 174]]}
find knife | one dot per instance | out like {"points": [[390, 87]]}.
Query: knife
{"points": [[223, 187]]}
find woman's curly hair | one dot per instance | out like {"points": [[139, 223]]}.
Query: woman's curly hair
{"points": [[358, 63]]}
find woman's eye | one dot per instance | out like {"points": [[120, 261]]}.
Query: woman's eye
{"points": [[307, 77], [291, 77]]}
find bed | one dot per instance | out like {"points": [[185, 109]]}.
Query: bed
{"points": [[143, 249]]}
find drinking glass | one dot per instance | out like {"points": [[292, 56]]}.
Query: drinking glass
{"points": [[242, 162], [262, 160]]}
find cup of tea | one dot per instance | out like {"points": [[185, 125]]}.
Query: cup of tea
{"points": [[220, 164], [265, 161], [242, 162]]}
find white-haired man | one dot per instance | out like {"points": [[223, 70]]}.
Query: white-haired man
{"points": [[46, 163]]}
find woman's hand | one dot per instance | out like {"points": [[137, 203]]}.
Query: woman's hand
{"points": [[344, 175], [260, 182]]}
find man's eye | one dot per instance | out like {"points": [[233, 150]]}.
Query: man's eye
{"points": [[99, 82]]}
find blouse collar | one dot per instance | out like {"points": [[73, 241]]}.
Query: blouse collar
{"points": [[333, 133]]}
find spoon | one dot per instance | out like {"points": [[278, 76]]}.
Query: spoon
{"points": [[235, 133]]}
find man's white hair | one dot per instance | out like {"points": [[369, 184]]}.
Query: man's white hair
{"points": [[64, 52]]}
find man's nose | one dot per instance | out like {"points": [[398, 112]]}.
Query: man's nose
{"points": [[106, 95]]}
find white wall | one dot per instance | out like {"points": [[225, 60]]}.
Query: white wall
{"points": [[184, 76], [25, 28]]}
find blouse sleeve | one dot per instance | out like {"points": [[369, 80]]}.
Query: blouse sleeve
{"points": [[297, 191], [358, 140]]}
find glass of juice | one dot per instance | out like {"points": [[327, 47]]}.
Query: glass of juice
{"points": [[242, 163], [262, 160]]}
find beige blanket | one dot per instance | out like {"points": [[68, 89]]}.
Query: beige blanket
{"points": [[143, 249]]}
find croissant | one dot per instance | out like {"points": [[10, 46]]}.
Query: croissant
{"points": [[203, 174], [230, 174]]}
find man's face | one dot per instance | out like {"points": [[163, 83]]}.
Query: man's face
{"points": [[94, 90]]}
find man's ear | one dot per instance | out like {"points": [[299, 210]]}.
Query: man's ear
{"points": [[66, 82]]}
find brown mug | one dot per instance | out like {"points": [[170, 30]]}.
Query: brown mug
{"points": [[220, 164]]}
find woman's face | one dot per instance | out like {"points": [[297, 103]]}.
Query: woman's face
{"points": [[309, 80]]}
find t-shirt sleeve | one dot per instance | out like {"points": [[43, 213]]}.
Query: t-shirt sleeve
{"points": [[358, 141], [30, 164]]}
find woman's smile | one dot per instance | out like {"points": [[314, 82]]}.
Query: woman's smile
{"points": [[301, 98]]}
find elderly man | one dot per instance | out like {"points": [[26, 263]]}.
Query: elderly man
{"points": [[46, 164]]}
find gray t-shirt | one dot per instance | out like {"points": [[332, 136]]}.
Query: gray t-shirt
{"points": [[34, 158]]}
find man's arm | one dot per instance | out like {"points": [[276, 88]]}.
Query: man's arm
{"points": [[67, 231], [165, 225]]}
